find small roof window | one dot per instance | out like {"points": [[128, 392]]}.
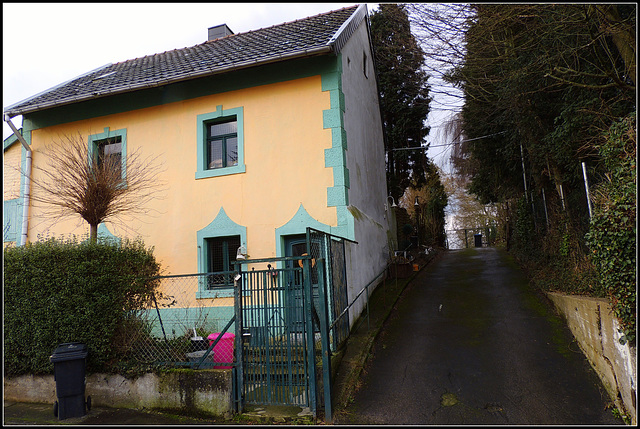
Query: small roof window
{"points": [[104, 75]]}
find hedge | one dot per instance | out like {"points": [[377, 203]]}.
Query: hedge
{"points": [[58, 291]]}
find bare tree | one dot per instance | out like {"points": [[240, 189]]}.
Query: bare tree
{"points": [[78, 181], [440, 28]]}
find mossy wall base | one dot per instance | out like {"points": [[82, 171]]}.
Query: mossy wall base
{"points": [[185, 390], [595, 328]]}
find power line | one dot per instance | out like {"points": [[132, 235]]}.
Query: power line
{"points": [[447, 144]]}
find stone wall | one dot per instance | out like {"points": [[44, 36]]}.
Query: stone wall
{"points": [[594, 326], [201, 391]]}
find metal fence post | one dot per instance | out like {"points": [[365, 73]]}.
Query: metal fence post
{"points": [[324, 338], [237, 304], [309, 334], [586, 187]]}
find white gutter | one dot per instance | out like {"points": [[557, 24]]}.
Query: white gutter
{"points": [[27, 182]]}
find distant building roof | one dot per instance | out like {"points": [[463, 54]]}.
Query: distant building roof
{"points": [[319, 34]]}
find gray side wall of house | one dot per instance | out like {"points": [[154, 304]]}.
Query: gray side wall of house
{"points": [[366, 165]]}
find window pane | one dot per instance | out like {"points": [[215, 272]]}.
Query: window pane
{"points": [[109, 149], [115, 162], [234, 243], [223, 128], [222, 251], [110, 153], [215, 154], [232, 151]]}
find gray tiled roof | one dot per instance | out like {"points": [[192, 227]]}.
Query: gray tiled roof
{"points": [[322, 33]]}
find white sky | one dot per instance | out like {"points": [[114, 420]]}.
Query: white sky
{"points": [[45, 44]]}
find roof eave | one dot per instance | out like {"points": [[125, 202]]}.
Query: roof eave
{"points": [[321, 50], [15, 112]]}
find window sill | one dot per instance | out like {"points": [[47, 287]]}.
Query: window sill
{"points": [[217, 172], [202, 294]]}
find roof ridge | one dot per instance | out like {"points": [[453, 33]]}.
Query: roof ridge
{"points": [[236, 34], [281, 24]]}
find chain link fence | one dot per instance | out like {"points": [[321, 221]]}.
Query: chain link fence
{"points": [[332, 249], [190, 322]]}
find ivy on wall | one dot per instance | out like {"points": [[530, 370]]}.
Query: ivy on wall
{"points": [[612, 233]]}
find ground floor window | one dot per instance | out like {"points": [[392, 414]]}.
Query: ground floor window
{"points": [[221, 253]]}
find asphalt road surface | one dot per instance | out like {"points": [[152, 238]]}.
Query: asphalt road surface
{"points": [[471, 343]]}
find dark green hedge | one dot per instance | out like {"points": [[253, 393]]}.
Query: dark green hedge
{"points": [[59, 291]]}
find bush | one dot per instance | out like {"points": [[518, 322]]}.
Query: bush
{"points": [[59, 291]]}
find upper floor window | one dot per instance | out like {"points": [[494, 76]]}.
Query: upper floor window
{"points": [[110, 153], [220, 148], [222, 144], [110, 148]]}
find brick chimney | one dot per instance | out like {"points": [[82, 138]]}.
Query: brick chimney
{"points": [[219, 31]]}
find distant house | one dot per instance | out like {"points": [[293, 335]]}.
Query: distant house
{"points": [[262, 134]]}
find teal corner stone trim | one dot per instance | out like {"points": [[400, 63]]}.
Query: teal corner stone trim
{"points": [[221, 226], [332, 118], [337, 196], [202, 172], [336, 156], [346, 223]]}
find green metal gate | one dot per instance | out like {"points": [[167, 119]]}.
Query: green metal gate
{"points": [[277, 321]]}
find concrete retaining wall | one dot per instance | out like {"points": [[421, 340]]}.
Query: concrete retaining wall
{"points": [[201, 391], [594, 326]]}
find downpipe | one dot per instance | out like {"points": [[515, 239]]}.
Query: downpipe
{"points": [[26, 196]]}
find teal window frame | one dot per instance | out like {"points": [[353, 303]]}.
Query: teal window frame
{"points": [[225, 140], [202, 122], [221, 226], [10, 223], [96, 140]]}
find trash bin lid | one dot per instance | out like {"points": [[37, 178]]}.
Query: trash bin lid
{"points": [[225, 336], [69, 351]]}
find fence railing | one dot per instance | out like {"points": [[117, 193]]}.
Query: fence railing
{"points": [[190, 321]]}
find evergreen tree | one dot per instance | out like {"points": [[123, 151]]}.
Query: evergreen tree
{"points": [[404, 97]]}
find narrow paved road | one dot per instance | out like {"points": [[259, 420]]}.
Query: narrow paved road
{"points": [[470, 343]]}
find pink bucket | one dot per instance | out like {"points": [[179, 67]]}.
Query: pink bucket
{"points": [[223, 351]]}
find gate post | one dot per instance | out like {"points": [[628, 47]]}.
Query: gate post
{"points": [[309, 334], [238, 369], [323, 315]]}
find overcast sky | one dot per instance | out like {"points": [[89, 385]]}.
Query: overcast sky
{"points": [[45, 44], [49, 43]]}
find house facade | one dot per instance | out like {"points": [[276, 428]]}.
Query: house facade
{"points": [[260, 135]]}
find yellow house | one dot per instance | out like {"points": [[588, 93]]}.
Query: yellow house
{"points": [[261, 135]]}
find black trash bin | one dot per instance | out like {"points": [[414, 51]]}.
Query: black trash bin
{"points": [[69, 362], [478, 240]]}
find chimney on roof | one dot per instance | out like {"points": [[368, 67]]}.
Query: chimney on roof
{"points": [[219, 31]]}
